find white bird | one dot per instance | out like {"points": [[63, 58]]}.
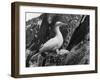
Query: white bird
{"points": [[54, 43]]}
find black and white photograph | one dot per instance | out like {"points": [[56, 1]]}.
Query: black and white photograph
{"points": [[57, 39], [51, 39]]}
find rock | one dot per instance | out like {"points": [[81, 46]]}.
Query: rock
{"points": [[75, 49], [63, 51]]}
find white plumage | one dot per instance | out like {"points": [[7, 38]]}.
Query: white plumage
{"points": [[56, 42]]}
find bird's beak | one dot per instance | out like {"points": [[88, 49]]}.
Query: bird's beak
{"points": [[64, 24]]}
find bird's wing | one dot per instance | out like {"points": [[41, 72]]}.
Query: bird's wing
{"points": [[50, 45]]}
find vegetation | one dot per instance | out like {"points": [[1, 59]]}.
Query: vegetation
{"points": [[75, 35]]}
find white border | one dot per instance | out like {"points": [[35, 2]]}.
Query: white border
{"points": [[71, 68]]}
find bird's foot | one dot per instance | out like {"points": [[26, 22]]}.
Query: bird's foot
{"points": [[58, 52]]}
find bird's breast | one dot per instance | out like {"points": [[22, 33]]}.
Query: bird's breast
{"points": [[60, 41], [53, 43]]}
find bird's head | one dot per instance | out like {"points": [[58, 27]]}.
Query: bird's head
{"points": [[59, 24]]}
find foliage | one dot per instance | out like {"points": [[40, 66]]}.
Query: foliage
{"points": [[40, 29]]}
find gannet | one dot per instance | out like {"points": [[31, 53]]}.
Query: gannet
{"points": [[54, 43]]}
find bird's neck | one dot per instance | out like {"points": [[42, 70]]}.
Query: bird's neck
{"points": [[57, 31]]}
